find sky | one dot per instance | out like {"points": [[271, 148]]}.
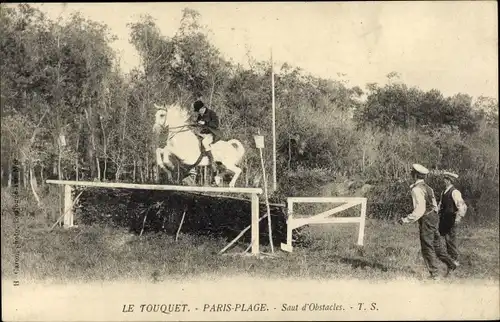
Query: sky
{"points": [[451, 46]]}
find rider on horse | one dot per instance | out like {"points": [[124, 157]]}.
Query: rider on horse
{"points": [[209, 128]]}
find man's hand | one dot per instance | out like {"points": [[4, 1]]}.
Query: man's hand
{"points": [[400, 221], [201, 122], [458, 220]]}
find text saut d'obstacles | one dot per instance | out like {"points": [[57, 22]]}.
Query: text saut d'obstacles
{"points": [[329, 307], [312, 307]]}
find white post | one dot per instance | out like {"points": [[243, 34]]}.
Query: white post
{"points": [[259, 143], [255, 224], [68, 206], [289, 228], [289, 223], [274, 124], [362, 223]]}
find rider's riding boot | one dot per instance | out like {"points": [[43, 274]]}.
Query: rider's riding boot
{"points": [[211, 160]]}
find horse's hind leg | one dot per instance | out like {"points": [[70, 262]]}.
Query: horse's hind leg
{"points": [[237, 172]]}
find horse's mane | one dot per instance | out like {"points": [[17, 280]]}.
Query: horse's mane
{"points": [[176, 114]]}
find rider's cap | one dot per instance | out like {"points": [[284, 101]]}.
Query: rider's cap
{"points": [[198, 105], [450, 175], [420, 168]]}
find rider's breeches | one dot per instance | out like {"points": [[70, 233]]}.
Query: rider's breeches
{"points": [[207, 140]]}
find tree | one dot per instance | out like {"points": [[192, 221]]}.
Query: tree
{"points": [[397, 106]]}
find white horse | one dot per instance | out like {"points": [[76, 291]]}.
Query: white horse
{"points": [[184, 144]]}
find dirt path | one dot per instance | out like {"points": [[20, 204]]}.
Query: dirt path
{"points": [[262, 299]]}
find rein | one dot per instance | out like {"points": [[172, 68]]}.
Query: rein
{"points": [[183, 128]]}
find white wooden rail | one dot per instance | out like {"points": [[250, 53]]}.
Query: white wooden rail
{"points": [[321, 218], [68, 198]]}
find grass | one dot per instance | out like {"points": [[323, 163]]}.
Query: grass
{"points": [[90, 253]]}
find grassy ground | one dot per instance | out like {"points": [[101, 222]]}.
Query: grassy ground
{"points": [[90, 253]]}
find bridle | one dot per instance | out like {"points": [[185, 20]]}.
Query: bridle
{"points": [[168, 128]]}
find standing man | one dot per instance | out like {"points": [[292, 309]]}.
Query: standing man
{"points": [[209, 123], [452, 209], [425, 213]]}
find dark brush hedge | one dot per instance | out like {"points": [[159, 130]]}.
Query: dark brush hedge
{"points": [[205, 215]]}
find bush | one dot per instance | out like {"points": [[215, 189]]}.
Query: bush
{"points": [[336, 150]]}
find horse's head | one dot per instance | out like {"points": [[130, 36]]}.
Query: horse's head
{"points": [[160, 119], [172, 116]]}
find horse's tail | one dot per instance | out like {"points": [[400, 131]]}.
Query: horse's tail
{"points": [[239, 147]]}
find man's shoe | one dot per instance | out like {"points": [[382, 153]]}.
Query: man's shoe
{"points": [[434, 277], [450, 270]]}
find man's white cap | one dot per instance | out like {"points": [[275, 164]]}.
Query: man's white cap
{"points": [[420, 168], [450, 175]]}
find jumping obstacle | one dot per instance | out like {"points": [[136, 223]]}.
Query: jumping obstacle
{"points": [[321, 218], [253, 192]]}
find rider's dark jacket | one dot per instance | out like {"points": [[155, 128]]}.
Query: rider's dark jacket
{"points": [[211, 123]]}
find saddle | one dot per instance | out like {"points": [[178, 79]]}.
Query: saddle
{"points": [[216, 133], [198, 133]]}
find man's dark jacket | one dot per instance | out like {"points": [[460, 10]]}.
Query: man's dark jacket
{"points": [[211, 124], [447, 212]]}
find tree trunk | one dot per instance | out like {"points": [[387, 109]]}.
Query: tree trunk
{"points": [[77, 158], [133, 173], [147, 168], [118, 172], [141, 171], [77, 166], [33, 178], [92, 148], [122, 143], [33, 185], [289, 153], [247, 173], [363, 162], [59, 171], [212, 91], [9, 180], [42, 178], [105, 169], [25, 175], [90, 160], [105, 152], [98, 168]]}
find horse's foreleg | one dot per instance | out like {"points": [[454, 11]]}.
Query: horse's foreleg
{"points": [[169, 165], [159, 159], [163, 161]]}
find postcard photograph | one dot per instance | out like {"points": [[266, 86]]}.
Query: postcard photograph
{"points": [[238, 161]]}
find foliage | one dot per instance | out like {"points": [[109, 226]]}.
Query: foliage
{"points": [[62, 79], [397, 106]]}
